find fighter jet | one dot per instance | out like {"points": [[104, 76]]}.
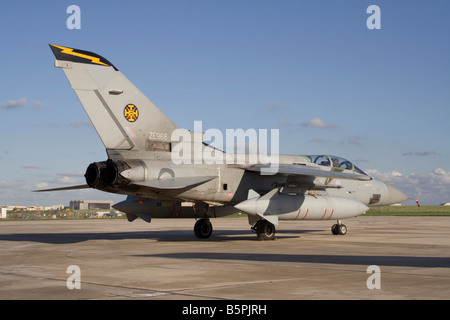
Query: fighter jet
{"points": [[141, 163]]}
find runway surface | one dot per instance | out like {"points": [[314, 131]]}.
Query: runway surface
{"points": [[163, 260]]}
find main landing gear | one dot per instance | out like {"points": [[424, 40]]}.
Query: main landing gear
{"points": [[265, 230], [339, 228], [203, 228]]}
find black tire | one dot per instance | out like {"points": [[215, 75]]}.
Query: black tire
{"points": [[342, 229], [265, 230], [335, 229], [203, 229]]}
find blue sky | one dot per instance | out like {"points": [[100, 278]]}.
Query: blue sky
{"points": [[311, 69]]}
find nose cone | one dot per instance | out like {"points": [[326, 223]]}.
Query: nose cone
{"points": [[393, 195], [247, 206], [121, 206], [362, 208]]}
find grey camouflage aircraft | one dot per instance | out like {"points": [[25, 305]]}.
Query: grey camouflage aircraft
{"points": [[139, 145]]}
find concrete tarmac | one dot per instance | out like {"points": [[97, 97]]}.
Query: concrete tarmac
{"points": [[163, 260]]}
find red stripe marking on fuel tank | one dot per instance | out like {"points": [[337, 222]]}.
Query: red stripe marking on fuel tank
{"points": [[324, 214], [307, 210], [300, 209], [332, 211]]}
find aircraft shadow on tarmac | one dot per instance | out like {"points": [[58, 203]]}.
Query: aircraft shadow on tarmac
{"points": [[158, 235], [394, 261], [231, 235]]}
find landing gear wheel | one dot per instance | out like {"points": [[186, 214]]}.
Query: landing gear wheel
{"points": [[342, 229], [265, 230], [203, 229], [339, 229], [334, 229]]}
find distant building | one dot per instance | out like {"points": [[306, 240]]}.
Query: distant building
{"points": [[90, 205], [35, 208], [445, 204], [54, 207]]}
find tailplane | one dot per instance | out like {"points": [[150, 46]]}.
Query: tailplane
{"points": [[123, 116]]}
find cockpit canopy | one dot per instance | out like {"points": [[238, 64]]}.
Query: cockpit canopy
{"points": [[337, 163]]}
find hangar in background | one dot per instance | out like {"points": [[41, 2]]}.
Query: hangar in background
{"points": [[90, 205]]}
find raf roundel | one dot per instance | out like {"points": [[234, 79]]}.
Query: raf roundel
{"points": [[131, 113]]}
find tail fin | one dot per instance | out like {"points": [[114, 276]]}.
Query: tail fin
{"points": [[122, 115]]}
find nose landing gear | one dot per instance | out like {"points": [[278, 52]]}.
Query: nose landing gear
{"points": [[339, 228]]}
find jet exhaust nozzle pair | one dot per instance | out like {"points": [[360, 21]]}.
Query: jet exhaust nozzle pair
{"points": [[114, 173]]}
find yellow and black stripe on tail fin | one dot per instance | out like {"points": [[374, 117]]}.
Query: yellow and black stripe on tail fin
{"points": [[76, 55], [125, 119]]}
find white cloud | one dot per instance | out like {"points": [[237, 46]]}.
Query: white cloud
{"points": [[39, 104], [314, 122], [75, 174], [66, 180], [318, 123], [396, 174], [41, 185], [430, 188], [284, 122], [14, 104]]}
